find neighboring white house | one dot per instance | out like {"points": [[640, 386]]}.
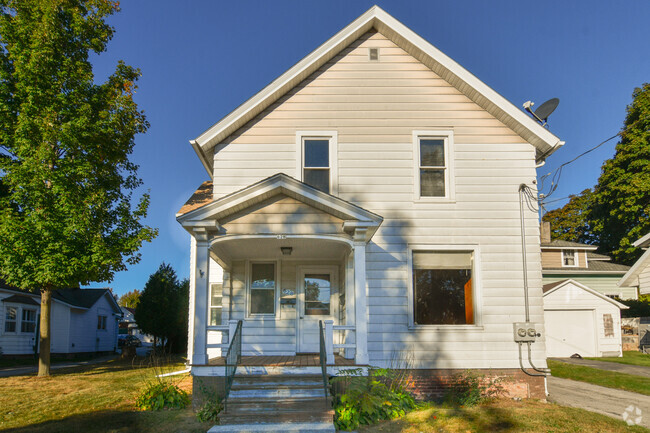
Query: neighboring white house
{"points": [[374, 186], [128, 325], [82, 321], [639, 274], [581, 320]]}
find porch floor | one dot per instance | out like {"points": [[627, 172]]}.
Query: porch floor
{"points": [[307, 360]]}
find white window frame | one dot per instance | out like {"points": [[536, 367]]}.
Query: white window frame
{"points": [[17, 321], [22, 312], [332, 137], [214, 307], [450, 190], [477, 286], [104, 323], [276, 297], [575, 259]]}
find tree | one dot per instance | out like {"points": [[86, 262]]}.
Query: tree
{"points": [[621, 210], [572, 221], [67, 217], [163, 308], [130, 299], [617, 211]]}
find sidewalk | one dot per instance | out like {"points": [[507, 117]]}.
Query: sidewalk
{"points": [[22, 371], [636, 370]]}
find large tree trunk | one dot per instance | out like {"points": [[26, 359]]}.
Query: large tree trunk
{"points": [[44, 344]]}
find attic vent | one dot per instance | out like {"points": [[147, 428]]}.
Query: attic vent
{"points": [[373, 53]]}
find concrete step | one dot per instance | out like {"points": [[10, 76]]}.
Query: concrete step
{"points": [[276, 393], [253, 406], [286, 383], [278, 378], [266, 418], [315, 427]]}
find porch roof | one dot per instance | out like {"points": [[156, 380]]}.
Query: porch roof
{"points": [[203, 211]]}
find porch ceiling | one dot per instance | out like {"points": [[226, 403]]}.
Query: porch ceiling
{"points": [[235, 248]]}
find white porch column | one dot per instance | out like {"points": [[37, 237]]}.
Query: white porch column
{"points": [[350, 303], [329, 341], [360, 298], [201, 290]]}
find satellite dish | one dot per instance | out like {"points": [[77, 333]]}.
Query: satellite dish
{"points": [[543, 111]]}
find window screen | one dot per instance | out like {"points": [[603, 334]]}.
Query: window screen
{"points": [[316, 165], [432, 167]]}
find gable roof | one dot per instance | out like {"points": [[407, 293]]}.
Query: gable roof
{"points": [[552, 287], [438, 62], [215, 210], [74, 297], [643, 242], [20, 299], [631, 278], [557, 244]]}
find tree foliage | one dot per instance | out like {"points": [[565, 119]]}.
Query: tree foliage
{"points": [[163, 308], [130, 299], [571, 222], [67, 216], [617, 211]]}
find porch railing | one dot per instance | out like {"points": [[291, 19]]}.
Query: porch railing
{"points": [[323, 359], [233, 357]]}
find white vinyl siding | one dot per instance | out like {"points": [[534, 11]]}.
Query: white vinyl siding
{"points": [[375, 107]]}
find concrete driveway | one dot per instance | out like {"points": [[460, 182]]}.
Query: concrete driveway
{"points": [[637, 370], [608, 401]]}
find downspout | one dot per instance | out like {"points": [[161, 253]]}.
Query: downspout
{"points": [[545, 371]]}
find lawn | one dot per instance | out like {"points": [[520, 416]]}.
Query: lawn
{"points": [[93, 398], [630, 358], [503, 416], [609, 379]]}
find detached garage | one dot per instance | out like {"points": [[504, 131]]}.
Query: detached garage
{"points": [[580, 320]]}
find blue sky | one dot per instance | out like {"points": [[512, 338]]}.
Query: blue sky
{"points": [[201, 59]]}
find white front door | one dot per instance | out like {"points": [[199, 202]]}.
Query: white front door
{"points": [[317, 300]]}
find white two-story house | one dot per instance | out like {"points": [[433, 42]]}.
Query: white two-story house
{"points": [[374, 187]]}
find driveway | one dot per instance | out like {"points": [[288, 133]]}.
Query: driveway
{"points": [[594, 398], [637, 370]]}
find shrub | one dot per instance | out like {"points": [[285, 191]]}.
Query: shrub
{"points": [[368, 399], [470, 389], [210, 411], [159, 396]]}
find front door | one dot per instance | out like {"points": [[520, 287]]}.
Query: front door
{"points": [[317, 300]]}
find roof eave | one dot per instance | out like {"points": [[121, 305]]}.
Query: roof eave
{"points": [[628, 280]]}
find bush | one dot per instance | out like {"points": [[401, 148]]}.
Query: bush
{"points": [[470, 389], [369, 399], [210, 411], [159, 396]]}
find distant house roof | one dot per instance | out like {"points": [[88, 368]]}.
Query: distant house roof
{"points": [[593, 266], [595, 256], [20, 299], [75, 297], [556, 243], [549, 288]]}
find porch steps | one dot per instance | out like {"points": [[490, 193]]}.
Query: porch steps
{"points": [[287, 404]]}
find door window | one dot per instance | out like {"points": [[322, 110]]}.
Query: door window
{"points": [[317, 294]]}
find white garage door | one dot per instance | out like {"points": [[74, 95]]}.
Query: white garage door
{"points": [[569, 332]]}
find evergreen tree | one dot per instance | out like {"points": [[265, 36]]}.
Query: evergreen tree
{"points": [[66, 217]]}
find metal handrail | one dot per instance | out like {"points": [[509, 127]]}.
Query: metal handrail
{"points": [[323, 359], [233, 357]]}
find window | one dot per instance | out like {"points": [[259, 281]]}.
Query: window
{"points": [[317, 294], [443, 287], [569, 258], [373, 53], [434, 168], [11, 316], [317, 159], [262, 288], [28, 323], [216, 296], [101, 322]]}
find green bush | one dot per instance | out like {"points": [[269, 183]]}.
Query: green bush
{"points": [[210, 411], [470, 389], [368, 399], [159, 396]]}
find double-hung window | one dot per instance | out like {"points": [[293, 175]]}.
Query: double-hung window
{"points": [[317, 159], [262, 289], [11, 317], [216, 304], [434, 165], [444, 288], [101, 322], [28, 323], [569, 258]]}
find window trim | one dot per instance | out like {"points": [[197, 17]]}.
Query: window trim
{"points": [[104, 323], [17, 321], [211, 307], [575, 259], [477, 294], [332, 137], [448, 136], [276, 298], [35, 322]]}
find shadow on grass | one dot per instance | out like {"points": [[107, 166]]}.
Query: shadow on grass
{"points": [[486, 418]]}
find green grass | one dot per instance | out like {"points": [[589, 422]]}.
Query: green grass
{"points": [[609, 379], [630, 358], [33, 361], [529, 416], [93, 398]]}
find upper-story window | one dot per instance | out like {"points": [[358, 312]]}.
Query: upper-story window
{"points": [[569, 258], [317, 161], [434, 167]]}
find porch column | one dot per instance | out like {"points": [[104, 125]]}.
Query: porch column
{"points": [[360, 302], [201, 277]]}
